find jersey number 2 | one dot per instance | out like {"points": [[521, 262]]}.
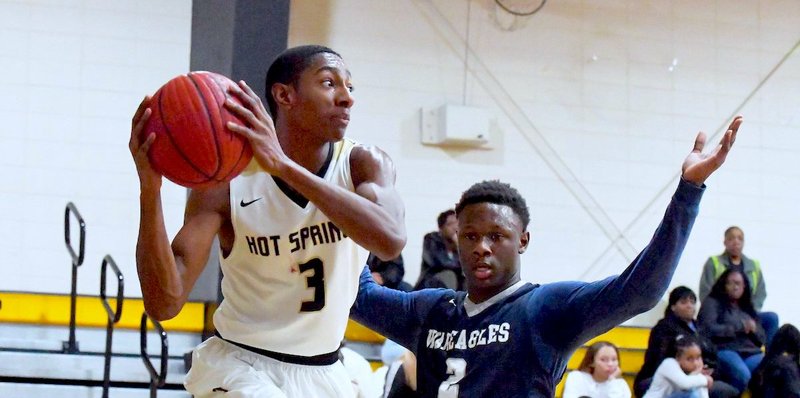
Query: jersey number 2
{"points": [[456, 368], [317, 281]]}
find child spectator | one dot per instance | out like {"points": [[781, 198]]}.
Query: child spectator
{"points": [[599, 374], [681, 376]]}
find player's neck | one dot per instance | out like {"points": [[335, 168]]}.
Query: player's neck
{"points": [[479, 295], [302, 148]]}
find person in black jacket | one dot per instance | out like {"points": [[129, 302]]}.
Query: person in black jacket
{"points": [[778, 375], [678, 320], [729, 319], [388, 273], [440, 265]]}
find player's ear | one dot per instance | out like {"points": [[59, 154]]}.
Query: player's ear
{"points": [[524, 239], [283, 94]]}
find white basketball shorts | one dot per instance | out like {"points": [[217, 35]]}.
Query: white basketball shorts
{"points": [[221, 369]]}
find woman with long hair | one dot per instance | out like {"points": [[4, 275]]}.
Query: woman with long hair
{"points": [[728, 317], [599, 374]]}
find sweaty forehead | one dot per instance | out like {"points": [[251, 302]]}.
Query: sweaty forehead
{"points": [[485, 214], [328, 62]]}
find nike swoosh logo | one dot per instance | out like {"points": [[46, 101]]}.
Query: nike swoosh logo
{"points": [[245, 204]]}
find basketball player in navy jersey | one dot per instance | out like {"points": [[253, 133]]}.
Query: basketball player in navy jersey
{"points": [[508, 338], [288, 227]]}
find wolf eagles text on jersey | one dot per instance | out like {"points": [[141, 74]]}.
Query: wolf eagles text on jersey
{"points": [[461, 339]]}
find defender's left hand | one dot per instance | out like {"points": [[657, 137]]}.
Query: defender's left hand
{"points": [[698, 166]]}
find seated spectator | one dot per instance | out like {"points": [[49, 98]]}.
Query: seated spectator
{"points": [[733, 257], [388, 273], [681, 375], [679, 321], [440, 265], [599, 374], [778, 375], [728, 318]]}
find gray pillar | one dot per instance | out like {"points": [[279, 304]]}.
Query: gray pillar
{"points": [[239, 39]]}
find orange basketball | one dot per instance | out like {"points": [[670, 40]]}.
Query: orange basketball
{"points": [[193, 147]]}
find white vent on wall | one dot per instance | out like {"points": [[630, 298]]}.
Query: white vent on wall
{"points": [[455, 125]]}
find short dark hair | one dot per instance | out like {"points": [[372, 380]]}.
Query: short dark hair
{"points": [[587, 364], [683, 342], [731, 228], [287, 67], [442, 218], [496, 192], [678, 294]]}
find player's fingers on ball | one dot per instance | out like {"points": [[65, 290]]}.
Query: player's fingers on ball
{"points": [[249, 98], [236, 92], [255, 98], [147, 143], [239, 129], [244, 113], [143, 106], [139, 123], [247, 89]]}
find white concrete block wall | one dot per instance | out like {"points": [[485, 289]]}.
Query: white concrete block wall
{"points": [[594, 80], [590, 79], [73, 74]]}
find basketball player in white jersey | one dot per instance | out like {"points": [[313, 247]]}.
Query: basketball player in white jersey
{"points": [[288, 227]]}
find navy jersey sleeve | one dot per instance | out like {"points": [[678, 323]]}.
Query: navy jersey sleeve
{"points": [[579, 311], [395, 314]]}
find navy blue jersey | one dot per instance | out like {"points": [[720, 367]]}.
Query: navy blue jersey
{"points": [[517, 343]]}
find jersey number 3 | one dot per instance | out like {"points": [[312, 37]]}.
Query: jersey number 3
{"points": [[316, 281], [456, 368]]}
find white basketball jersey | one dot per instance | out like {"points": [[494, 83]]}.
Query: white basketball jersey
{"points": [[292, 275]]}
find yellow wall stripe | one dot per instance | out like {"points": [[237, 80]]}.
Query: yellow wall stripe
{"points": [[358, 332], [50, 309]]}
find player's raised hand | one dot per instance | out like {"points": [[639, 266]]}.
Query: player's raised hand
{"points": [[259, 129], [698, 166], [139, 144]]}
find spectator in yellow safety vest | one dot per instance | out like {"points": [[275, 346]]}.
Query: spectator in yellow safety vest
{"points": [[733, 257]]}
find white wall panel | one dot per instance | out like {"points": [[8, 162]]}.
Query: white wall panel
{"points": [[72, 81]]}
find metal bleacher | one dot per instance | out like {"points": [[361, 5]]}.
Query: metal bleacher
{"points": [[107, 352]]}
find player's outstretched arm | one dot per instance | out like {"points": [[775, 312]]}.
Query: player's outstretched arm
{"points": [[166, 277], [646, 279], [373, 217]]}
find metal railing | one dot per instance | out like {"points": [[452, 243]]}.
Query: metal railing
{"points": [[71, 346], [113, 316], [157, 379]]}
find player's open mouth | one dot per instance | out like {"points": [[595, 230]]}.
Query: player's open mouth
{"points": [[482, 272]]}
